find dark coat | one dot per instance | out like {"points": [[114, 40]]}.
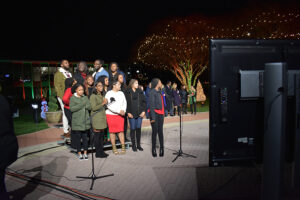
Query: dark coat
{"points": [[136, 102], [177, 100], [155, 102], [169, 97], [8, 141], [79, 78], [183, 96]]}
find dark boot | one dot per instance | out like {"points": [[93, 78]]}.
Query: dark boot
{"points": [[99, 149], [132, 137], [138, 139], [154, 152], [161, 152]]}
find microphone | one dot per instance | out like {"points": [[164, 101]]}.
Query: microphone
{"points": [[112, 99]]}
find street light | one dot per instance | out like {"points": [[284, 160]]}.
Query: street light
{"points": [[35, 108]]}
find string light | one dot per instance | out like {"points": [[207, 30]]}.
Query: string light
{"points": [[186, 40]]}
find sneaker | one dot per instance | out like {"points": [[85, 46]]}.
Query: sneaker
{"points": [[85, 156], [80, 157]]}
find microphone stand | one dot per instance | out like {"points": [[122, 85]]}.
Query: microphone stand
{"points": [[180, 153], [93, 177]]}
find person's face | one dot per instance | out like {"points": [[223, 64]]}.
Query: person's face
{"points": [[97, 64], [159, 84], [65, 64], [120, 79], [113, 68], [183, 87], [149, 85], [106, 81], [117, 86], [90, 81], [99, 87], [79, 91], [135, 85], [81, 67]]}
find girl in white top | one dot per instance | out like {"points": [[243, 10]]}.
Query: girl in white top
{"points": [[115, 113]]}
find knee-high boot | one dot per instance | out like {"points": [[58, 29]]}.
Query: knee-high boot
{"points": [[132, 137], [138, 139]]}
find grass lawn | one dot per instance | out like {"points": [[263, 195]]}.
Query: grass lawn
{"points": [[201, 108], [25, 124]]}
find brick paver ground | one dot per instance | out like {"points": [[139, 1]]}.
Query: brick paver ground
{"points": [[137, 175]]}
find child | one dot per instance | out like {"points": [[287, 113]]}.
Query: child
{"points": [[80, 106], [69, 82], [98, 118]]}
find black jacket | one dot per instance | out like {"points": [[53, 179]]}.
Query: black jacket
{"points": [[136, 102], [183, 95], [79, 78], [155, 102], [8, 140]]}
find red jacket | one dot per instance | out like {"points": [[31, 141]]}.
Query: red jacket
{"points": [[66, 98]]}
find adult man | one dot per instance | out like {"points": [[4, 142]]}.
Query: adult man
{"points": [[114, 72], [81, 73], [100, 71], [8, 143], [59, 84], [169, 99]]}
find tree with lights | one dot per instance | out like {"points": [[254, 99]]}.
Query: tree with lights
{"points": [[182, 46]]}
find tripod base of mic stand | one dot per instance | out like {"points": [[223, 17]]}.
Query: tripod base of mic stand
{"points": [[180, 153], [93, 178]]}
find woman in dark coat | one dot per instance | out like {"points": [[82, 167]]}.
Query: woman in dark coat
{"points": [[136, 107], [176, 101], [184, 97], [157, 112]]}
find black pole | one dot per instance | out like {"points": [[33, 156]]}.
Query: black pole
{"points": [[275, 97], [180, 153], [93, 177]]}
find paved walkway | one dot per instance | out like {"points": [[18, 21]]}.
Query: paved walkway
{"points": [[137, 175]]}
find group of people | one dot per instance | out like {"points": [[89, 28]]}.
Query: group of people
{"points": [[102, 104], [176, 100]]}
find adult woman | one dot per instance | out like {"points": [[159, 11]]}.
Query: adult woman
{"points": [[176, 100], [136, 106], [156, 104], [105, 82], [89, 85], [192, 100], [115, 115], [98, 119], [183, 95]]}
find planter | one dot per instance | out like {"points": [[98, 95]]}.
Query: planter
{"points": [[54, 117]]}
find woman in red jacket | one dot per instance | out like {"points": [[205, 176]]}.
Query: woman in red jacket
{"points": [[69, 82]]}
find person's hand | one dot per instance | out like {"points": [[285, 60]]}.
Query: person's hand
{"points": [[104, 101], [130, 115], [142, 114], [152, 121], [122, 112]]}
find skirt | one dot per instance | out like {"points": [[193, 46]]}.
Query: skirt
{"points": [[115, 123]]}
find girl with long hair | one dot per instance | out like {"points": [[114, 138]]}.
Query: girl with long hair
{"points": [[136, 107]]}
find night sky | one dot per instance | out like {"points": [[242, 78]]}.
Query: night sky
{"points": [[84, 30]]}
